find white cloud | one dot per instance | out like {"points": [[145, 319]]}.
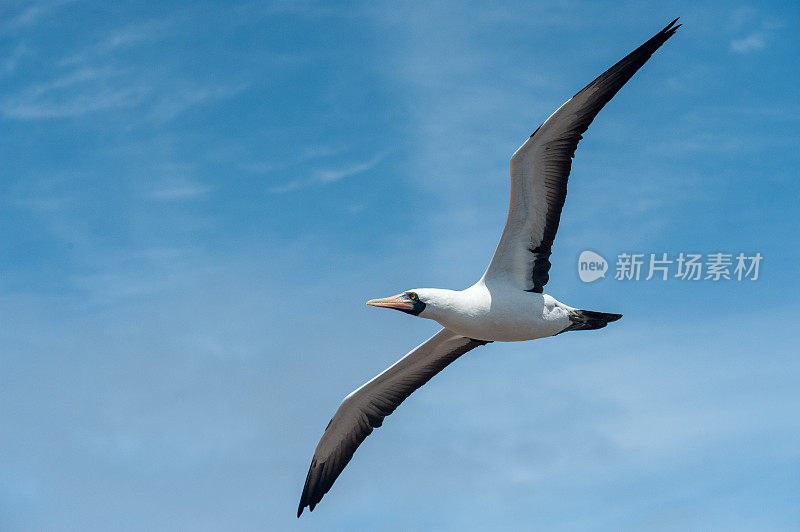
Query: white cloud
{"points": [[307, 154], [10, 62], [761, 28], [329, 175], [176, 100], [96, 78], [79, 92], [120, 38], [87, 90], [81, 104], [33, 12], [750, 43], [335, 174], [179, 192], [291, 186], [742, 17]]}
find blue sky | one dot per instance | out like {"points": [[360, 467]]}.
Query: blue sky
{"points": [[197, 199]]}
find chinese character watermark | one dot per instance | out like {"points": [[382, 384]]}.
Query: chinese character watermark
{"points": [[715, 267]]}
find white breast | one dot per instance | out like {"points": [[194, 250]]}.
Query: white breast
{"points": [[503, 314]]}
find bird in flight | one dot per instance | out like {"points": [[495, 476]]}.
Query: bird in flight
{"points": [[508, 303]]}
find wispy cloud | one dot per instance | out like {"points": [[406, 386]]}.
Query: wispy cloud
{"points": [[100, 78], [329, 175], [9, 63], [335, 174], [89, 89], [760, 30], [307, 154], [77, 93], [174, 182], [287, 7], [179, 191], [32, 13], [750, 43], [119, 39], [291, 186], [175, 101]]}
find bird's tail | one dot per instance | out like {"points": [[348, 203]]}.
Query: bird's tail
{"points": [[584, 320]]}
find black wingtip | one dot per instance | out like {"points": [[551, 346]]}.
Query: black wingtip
{"points": [[671, 28], [303, 507]]}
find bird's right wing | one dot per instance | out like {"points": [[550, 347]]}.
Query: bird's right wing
{"points": [[365, 408]]}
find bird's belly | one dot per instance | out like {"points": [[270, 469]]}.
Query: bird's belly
{"points": [[505, 331], [524, 323]]}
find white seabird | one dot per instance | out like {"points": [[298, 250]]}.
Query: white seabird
{"points": [[507, 304]]}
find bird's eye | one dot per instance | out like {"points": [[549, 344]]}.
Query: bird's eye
{"points": [[412, 295]]}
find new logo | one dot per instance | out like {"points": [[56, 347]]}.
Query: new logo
{"points": [[591, 266]]}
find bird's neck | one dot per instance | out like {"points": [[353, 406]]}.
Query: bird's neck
{"points": [[443, 304]]}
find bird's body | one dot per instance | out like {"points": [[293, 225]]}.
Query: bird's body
{"points": [[496, 312], [508, 303]]}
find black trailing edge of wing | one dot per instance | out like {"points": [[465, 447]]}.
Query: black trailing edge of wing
{"points": [[559, 151]]}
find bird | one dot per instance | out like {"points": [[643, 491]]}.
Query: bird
{"points": [[508, 303]]}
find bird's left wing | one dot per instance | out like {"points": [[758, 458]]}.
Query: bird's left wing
{"points": [[540, 169], [365, 408]]}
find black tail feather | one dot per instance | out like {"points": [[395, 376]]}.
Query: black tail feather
{"points": [[585, 320]]}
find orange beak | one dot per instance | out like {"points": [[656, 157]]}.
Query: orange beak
{"points": [[399, 302]]}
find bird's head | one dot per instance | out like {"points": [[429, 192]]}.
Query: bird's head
{"points": [[413, 302]]}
